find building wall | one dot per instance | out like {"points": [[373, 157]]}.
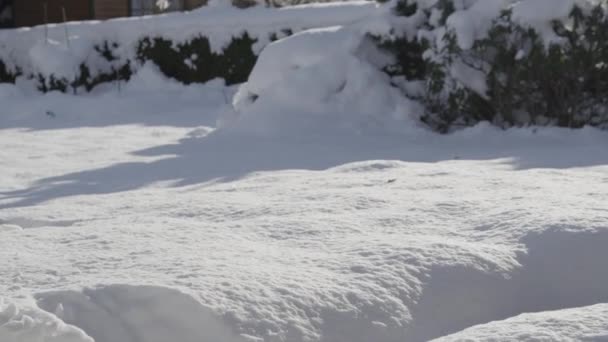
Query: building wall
{"points": [[31, 12], [6, 13], [106, 9], [192, 4]]}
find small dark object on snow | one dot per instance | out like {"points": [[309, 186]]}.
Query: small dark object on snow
{"points": [[50, 113], [392, 180]]}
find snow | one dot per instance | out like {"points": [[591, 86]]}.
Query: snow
{"points": [[31, 324], [540, 14], [116, 205], [473, 23], [579, 324], [34, 53], [297, 77], [318, 210]]}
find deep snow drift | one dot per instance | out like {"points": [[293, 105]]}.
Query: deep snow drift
{"points": [[319, 210]]}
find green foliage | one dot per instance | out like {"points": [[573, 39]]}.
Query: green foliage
{"points": [[406, 51], [195, 62], [189, 62], [88, 81], [244, 4], [119, 71], [52, 83], [237, 60], [274, 36], [6, 75], [564, 83], [408, 60], [446, 7], [406, 8]]}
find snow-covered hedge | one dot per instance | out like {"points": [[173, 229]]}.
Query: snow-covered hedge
{"points": [[509, 62], [216, 41], [195, 61]]}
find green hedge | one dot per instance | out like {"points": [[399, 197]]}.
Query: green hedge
{"points": [[528, 82], [188, 62], [6, 75], [120, 71], [233, 64]]}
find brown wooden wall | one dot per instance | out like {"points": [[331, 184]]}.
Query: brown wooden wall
{"points": [[31, 13], [106, 9], [192, 4]]}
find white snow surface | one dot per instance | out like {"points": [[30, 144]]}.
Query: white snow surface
{"points": [[130, 217], [299, 77], [579, 324], [318, 211]]}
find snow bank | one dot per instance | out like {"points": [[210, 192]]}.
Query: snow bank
{"points": [[316, 80], [137, 313], [579, 324], [29, 324], [380, 238]]}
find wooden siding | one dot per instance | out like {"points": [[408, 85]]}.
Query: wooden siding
{"points": [[192, 4], [31, 12], [106, 9]]}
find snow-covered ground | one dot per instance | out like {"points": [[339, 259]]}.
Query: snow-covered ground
{"points": [[305, 205], [112, 203]]}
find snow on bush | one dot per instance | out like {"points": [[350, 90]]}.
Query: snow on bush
{"points": [[298, 78], [99, 52], [523, 69], [509, 62]]}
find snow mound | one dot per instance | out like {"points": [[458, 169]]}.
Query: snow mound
{"points": [[137, 313], [319, 79], [579, 324], [30, 324]]}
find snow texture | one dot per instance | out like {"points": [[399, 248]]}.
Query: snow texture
{"points": [[138, 313], [332, 237], [318, 211], [579, 324], [31, 324], [297, 77]]}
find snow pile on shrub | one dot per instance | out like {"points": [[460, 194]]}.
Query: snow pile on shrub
{"points": [[319, 79], [30, 324]]}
